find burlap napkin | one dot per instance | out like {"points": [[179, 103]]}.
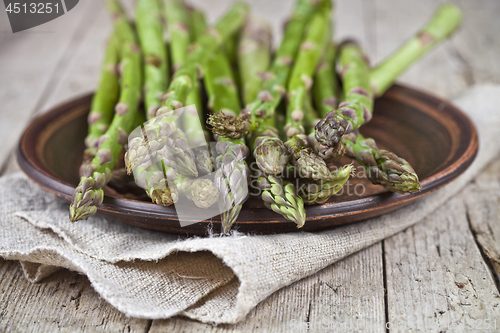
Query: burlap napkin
{"points": [[153, 275]]}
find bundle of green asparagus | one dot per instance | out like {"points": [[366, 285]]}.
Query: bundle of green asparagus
{"points": [[288, 154]]}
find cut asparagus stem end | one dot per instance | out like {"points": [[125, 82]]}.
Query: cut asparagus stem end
{"points": [[330, 129], [271, 156], [229, 217], [163, 197], [204, 193], [227, 125]]}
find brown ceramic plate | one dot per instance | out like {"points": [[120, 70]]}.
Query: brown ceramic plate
{"points": [[437, 139]]}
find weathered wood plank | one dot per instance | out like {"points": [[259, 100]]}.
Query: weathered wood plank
{"points": [[81, 62], [63, 302], [79, 67], [424, 262], [483, 208], [436, 277], [314, 288], [477, 45], [28, 65], [343, 297], [441, 71]]}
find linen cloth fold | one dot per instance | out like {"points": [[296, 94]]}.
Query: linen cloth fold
{"points": [[153, 275]]}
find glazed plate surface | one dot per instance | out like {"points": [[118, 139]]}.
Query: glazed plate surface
{"points": [[438, 140]]}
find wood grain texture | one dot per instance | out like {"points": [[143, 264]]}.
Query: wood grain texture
{"points": [[344, 297], [436, 277], [30, 61], [423, 263], [476, 46], [82, 61], [63, 302], [380, 25], [483, 212]]}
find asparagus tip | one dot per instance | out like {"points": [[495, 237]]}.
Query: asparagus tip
{"points": [[204, 193], [85, 200]]}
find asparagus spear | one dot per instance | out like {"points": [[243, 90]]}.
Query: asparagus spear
{"points": [[325, 87], [193, 121], [150, 32], [156, 73], [319, 191], [161, 139], [182, 82], [230, 48], [164, 126], [156, 69], [254, 57], [198, 27], [328, 154], [163, 185], [302, 157], [201, 191], [106, 96], [89, 193], [198, 22], [151, 177], [273, 89], [325, 93], [280, 197], [103, 102], [357, 107], [383, 167], [173, 145], [195, 134], [177, 22], [119, 174], [232, 170], [337, 123], [269, 152], [443, 23]]}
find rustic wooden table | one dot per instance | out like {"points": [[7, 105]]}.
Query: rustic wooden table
{"points": [[441, 275]]}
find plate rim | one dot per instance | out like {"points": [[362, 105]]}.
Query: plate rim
{"points": [[114, 206]]}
